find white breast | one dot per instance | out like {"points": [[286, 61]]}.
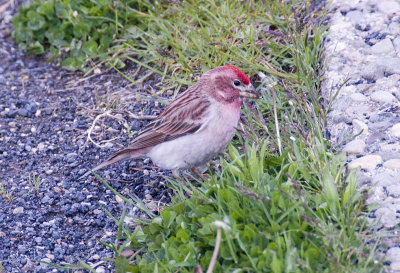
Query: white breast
{"points": [[198, 148]]}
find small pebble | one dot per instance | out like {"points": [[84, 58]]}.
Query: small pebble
{"points": [[119, 199], [18, 210], [100, 269]]}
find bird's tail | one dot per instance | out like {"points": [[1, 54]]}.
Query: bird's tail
{"points": [[120, 155]]}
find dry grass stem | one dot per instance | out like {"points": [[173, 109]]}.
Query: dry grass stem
{"points": [[215, 253]]}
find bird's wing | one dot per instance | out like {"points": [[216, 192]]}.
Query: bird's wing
{"points": [[185, 115]]}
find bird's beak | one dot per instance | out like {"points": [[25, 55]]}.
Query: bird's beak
{"points": [[249, 92]]}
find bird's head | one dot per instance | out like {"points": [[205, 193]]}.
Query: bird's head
{"points": [[229, 84]]}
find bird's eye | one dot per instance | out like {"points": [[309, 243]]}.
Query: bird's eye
{"points": [[236, 82]]}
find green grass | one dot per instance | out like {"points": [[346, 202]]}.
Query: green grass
{"points": [[34, 182], [6, 194], [286, 201]]}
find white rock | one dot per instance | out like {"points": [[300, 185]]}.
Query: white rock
{"points": [[355, 16], [119, 199], [356, 111], [372, 71], [394, 28], [392, 164], [359, 126], [18, 210], [394, 191], [96, 257], [41, 146], [388, 7], [383, 47], [388, 64], [356, 146], [97, 211], [396, 44], [382, 96], [393, 254], [395, 130], [378, 195], [50, 256], [385, 179], [395, 266], [386, 216], [358, 97], [100, 269], [367, 162], [7, 19]]}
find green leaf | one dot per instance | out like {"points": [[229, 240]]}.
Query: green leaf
{"points": [[36, 21], [70, 64], [36, 48], [55, 35], [276, 265], [168, 217], [90, 48], [81, 29], [46, 8], [313, 254]]}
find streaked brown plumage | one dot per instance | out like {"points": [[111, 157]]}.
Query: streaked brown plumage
{"points": [[196, 126]]}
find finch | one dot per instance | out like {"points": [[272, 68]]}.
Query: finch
{"points": [[195, 126]]}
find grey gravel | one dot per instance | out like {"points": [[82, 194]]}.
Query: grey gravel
{"points": [[43, 131], [364, 47]]}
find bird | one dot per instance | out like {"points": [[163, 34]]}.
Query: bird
{"points": [[197, 125]]}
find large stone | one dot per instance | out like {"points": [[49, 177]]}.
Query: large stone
{"points": [[390, 65], [371, 71], [383, 47], [377, 196], [393, 190], [395, 266], [359, 126], [393, 254], [382, 96], [388, 7], [386, 216], [356, 146], [355, 16], [392, 164], [394, 28], [395, 130], [368, 162], [358, 97], [385, 179], [396, 44]]}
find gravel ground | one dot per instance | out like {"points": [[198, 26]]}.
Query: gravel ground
{"points": [[45, 114], [364, 48]]}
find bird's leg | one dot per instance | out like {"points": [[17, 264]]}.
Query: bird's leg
{"points": [[198, 175], [176, 173]]}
